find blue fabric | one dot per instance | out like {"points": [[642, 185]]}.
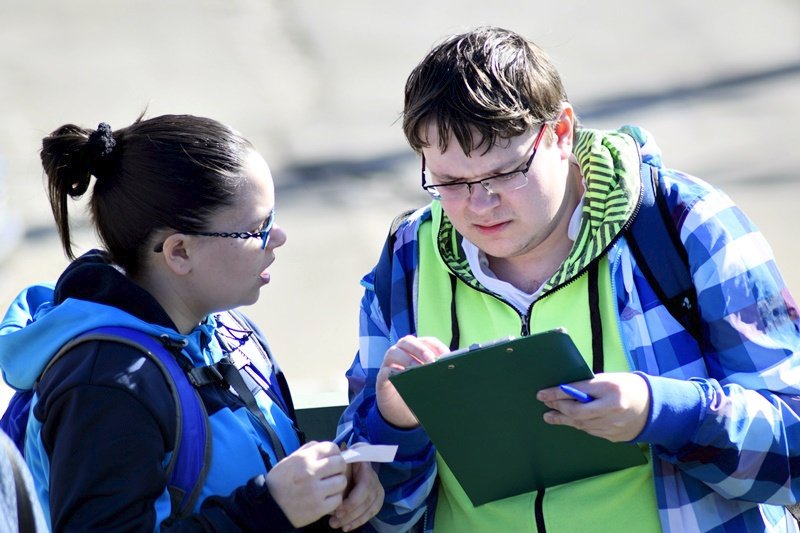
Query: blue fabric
{"points": [[191, 452], [190, 458], [34, 325], [676, 405], [15, 419], [35, 328]]}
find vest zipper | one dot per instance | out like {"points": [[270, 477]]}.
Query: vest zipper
{"points": [[455, 276]]}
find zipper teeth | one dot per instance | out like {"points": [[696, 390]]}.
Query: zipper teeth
{"points": [[485, 291]]}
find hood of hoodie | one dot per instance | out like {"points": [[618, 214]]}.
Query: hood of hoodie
{"points": [[90, 293], [610, 163]]}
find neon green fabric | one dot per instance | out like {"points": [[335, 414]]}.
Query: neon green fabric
{"points": [[482, 317]]}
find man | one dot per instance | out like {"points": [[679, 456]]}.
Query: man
{"points": [[526, 232]]}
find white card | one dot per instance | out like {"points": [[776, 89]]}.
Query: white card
{"points": [[372, 453]]}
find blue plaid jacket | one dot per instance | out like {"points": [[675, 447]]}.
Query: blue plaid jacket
{"points": [[724, 427]]}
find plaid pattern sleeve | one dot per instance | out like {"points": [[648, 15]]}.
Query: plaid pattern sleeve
{"points": [[409, 480], [724, 421]]}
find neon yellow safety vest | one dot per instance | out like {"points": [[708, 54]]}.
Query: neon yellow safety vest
{"points": [[619, 501]]}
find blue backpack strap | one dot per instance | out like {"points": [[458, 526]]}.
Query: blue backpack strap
{"points": [[188, 465], [656, 245]]}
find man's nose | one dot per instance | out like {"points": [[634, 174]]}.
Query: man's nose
{"points": [[480, 199]]}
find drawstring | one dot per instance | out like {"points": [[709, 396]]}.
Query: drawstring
{"points": [[594, 317], [455, 334]]}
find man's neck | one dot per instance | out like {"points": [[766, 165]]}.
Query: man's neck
{"points": [[530, 271]]}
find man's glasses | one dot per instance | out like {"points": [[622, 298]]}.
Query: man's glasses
{"points": [[262, 233], [497, 184]]}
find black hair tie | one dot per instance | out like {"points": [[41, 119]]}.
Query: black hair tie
{"points": [[102, 141]]}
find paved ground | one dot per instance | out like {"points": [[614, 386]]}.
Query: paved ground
{"points": [[317, 86]]}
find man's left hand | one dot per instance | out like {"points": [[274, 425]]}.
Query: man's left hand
{"points": [[618, 411]]}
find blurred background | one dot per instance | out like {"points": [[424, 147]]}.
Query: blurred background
{"points": [[318, 88]]}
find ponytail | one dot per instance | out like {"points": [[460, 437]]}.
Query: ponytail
{"points": [[167, 172], [71, 155]]}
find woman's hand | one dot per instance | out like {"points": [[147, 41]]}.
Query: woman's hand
{"points": [[310, 483], [362, 502], [409, 351]]}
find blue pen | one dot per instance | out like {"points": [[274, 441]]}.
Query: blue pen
{"points": [[577, 394]]}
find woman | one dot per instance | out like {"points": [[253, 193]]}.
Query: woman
{"points": [[184, 208]]}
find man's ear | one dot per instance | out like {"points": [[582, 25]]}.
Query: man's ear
{"points": [[177, 253], [564, 128]]}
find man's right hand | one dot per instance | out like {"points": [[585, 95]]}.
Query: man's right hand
{"points": [[409, 351]]}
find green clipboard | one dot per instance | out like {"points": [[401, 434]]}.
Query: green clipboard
{"points": [[480, 410]]}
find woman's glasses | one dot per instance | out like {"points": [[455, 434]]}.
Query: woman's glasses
{"points": [[262, 233]]}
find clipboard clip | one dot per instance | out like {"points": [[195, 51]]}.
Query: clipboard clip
{"points": [[477, 346]]}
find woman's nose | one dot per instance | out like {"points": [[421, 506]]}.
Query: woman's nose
{"points": [[277, 237]]}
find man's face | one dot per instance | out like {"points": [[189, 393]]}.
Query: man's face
{"points": [[526, 222]]}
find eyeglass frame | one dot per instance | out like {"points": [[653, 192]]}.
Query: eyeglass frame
{"points": [[262, 234], [431, 188]]}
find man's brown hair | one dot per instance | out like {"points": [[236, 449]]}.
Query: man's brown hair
{"points": [[481, 86]]}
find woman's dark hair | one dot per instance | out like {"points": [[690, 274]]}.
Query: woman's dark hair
{"points": [[171, 171], [488, 81]]}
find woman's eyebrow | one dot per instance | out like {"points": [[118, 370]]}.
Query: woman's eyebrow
{"points": [[260, 222]]}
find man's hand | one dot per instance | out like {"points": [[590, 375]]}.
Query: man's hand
{"points": [[618, 412], [309, 483], [409, 351], [362, 502]]}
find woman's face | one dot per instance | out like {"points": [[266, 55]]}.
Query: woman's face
{"points": [[230, 272]]}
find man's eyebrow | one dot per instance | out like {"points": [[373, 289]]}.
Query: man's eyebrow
{"points": [[495, 172], [448, 179]]}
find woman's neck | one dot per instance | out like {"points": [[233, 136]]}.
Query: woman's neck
{"points": [[167, 293]]}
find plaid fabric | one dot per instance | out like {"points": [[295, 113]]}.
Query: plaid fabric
{"points": [[725, 429]]}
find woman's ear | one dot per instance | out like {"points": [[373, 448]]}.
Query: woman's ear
{"points": [[177, 253], [564, 129]]}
